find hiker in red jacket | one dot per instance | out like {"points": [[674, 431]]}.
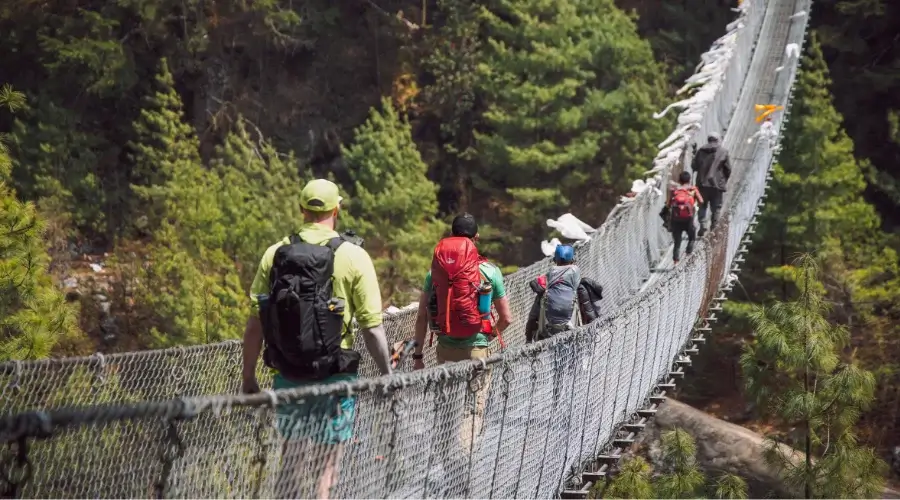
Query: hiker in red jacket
{"points": [[682, 205]]}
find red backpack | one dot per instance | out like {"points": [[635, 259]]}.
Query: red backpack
{"points": [[683, 203], [455, 279]]}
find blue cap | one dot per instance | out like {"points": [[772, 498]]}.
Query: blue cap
{"points": [[564, 253]]}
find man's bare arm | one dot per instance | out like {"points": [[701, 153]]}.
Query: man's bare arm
{"points": [[376, 343], [421, 323], [253, 341], [503, 311]]}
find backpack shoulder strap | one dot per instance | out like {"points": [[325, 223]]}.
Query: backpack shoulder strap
{"points": [[542, 316], [335, 243], [292, 240], [484, 275]]}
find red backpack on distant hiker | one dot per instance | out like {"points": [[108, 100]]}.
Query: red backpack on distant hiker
{"points": [[683, 203], [455, 279]]}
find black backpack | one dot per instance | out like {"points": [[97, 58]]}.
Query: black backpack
{"points": [[303, 321]]}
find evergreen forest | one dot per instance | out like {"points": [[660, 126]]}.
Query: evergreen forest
{"points": [[151, 150]]}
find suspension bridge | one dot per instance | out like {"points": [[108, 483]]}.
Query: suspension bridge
{"points": [[557, 413]]}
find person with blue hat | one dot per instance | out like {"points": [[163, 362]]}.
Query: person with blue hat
{"points": [[558, 293], [564, 255]]}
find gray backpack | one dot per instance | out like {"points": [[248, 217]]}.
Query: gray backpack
{"points": [[559, 303]]}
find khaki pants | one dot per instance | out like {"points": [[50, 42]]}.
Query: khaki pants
{"points": [[480, 385]]}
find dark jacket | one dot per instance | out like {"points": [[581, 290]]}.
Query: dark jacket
{"points": [[590, 293], [713, 166]]}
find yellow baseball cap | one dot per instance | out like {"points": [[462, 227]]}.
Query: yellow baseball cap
{"points": [[320, 195]]}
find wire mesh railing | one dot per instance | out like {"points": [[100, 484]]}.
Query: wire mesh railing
{"points": [[519, 424]]}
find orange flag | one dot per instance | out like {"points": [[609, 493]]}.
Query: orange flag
{"points": [[764, 110]]}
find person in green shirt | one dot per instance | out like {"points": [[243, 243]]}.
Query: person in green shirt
{"points": [[318, 427], [477, 346]]}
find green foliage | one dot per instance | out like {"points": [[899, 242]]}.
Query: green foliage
{"points": [[395, 203], [14, 101], [183, 298], [34, 315], [85, 46], [679, 31], [816, 204], [453, 62], [570, 89], [55, 163], [858, 38], [731, 486], [793, 371], [164, 156], [259, 193], [821, 172], [632, 480], [453, 51], [682, 477], [679, 475], [188, 290]]}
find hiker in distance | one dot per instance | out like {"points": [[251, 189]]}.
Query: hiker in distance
{"points": [[713, 167], [457, 296], [308, 288], [562, 298], [680, 208]]}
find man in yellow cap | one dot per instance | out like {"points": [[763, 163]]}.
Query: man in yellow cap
{"points": [[307, 290]]}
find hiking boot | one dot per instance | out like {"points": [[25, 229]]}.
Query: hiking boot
{"points": [[701, 232], [674, 262]]}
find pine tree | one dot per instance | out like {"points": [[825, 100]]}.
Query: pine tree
{"points": [[165, 161], [817, 203], [793, 370], [187, 290], [682, 478], [449, 101], [537, 77], [395, 202], [632, 480], [55, 163], [570, 89], [859, 41], [34, 315], [184, 298], [679, 475], [13, 101], [816, 200], [730, 486], [258, 197]]}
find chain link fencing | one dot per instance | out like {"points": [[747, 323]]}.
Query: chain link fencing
{"points": [[522, 423]]}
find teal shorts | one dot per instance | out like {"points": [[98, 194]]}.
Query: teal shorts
{"points": [[323, 419]]}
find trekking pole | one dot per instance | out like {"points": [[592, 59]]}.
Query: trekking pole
{"points": [[401, 350]]}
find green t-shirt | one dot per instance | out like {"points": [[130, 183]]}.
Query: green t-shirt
{"points": [[354, 275], [493, 274]]}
